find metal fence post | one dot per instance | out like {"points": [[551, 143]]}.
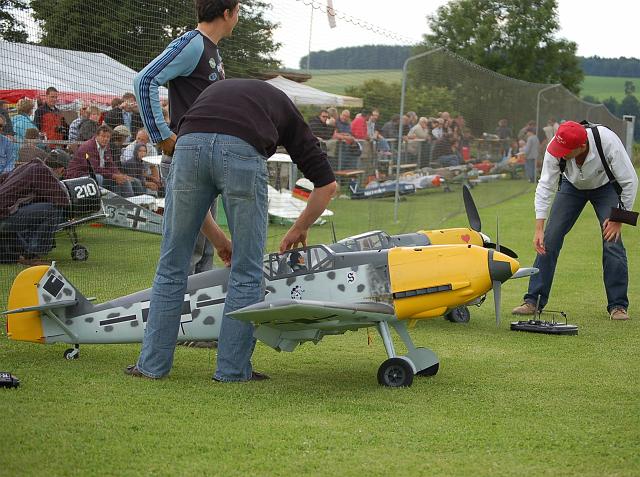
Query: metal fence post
{"points": [[402, 95], [535, 164]]}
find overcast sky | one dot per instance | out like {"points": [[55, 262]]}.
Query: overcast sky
{"points": [[605, 28]]}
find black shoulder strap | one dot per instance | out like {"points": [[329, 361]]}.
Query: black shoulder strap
{"points": [[563, 165], [605, 164]]}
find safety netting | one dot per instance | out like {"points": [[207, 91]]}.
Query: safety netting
{"points": [[400, 160]]}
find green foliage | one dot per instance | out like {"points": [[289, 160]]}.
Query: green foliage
{"points": [[597, 66], [134, 35], [251, 48], [427, 101], [11, 28], [510, 37], [629, 88], [367, 57]]}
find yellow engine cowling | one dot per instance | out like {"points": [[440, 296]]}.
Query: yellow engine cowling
{"points": [[459, 236], [26, 326], [426, 282]]}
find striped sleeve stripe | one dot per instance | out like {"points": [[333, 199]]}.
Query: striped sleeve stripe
{"points": [[145, 81]]}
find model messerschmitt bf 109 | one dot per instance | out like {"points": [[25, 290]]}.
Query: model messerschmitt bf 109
{"points": [[472, 235], [311, 292]]}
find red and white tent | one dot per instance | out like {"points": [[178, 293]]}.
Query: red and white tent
{"points": [[26, 71]]}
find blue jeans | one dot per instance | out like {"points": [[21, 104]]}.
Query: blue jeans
{"points": [[530, 170], [126, 189], [29, 232], [203, 252], [567, 206], [204, 166]]}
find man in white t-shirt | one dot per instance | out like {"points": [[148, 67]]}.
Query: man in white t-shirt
{"points": [[584, 180]]}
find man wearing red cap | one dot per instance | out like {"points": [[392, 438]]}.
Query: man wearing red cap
{"points": [[584, 180]]}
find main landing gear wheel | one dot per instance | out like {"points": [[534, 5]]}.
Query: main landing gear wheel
{"points": [[79, 253], [71, 353], [395, 373], [430, 371], [458, 315]]}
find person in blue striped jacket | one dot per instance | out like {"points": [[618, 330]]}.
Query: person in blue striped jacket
{"points": [[187, 66]]}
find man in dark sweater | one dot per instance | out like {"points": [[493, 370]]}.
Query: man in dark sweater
{"points": [[32, 201], [224, 140]]}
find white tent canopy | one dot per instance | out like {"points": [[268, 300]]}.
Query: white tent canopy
{"points": [[303, 95], [32, 67]]}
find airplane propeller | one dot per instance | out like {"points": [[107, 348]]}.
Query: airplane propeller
{"points": [[472, 211], [497, 284], [476, 224], [497, 298]]}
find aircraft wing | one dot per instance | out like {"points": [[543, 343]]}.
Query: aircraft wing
{"points": [[283, 312], [285, 324]]}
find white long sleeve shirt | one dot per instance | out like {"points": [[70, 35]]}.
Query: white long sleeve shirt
{"points": [[591, 174]]}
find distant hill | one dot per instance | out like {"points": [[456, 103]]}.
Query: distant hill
{"points": [[618, 67], [392, 57], [368, 57]]}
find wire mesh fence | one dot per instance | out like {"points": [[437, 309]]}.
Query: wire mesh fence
{"points": [[68, 103]]}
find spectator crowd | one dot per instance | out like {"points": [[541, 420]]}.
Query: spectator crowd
{"points": [[37, 145], [113, 143], [440, 141]]}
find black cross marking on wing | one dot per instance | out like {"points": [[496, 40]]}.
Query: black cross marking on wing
{"points": [[137, 217]]}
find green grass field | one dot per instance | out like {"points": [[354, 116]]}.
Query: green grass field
{"points": [[503, 403], [603, 87], [336, 81]]}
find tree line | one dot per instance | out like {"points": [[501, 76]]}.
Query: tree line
{"points": [[388, 57], [367, 57], [621, 67]]}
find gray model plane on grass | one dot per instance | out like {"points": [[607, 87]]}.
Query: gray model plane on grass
{"points": [[91, 203]]}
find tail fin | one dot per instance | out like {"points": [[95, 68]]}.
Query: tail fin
{"points": [[35, 290]]}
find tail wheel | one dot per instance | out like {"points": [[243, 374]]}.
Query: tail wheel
{"points": [[395, 373], [79, 253], [71, 353]]}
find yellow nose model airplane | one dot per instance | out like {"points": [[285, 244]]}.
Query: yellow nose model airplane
{"points": [[310, 293]]}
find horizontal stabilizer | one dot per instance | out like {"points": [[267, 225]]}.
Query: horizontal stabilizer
{"points": [[48, 306]]}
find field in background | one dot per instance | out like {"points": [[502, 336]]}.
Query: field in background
{"points": [[336, 81], [503, 403], [603, 87]]}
